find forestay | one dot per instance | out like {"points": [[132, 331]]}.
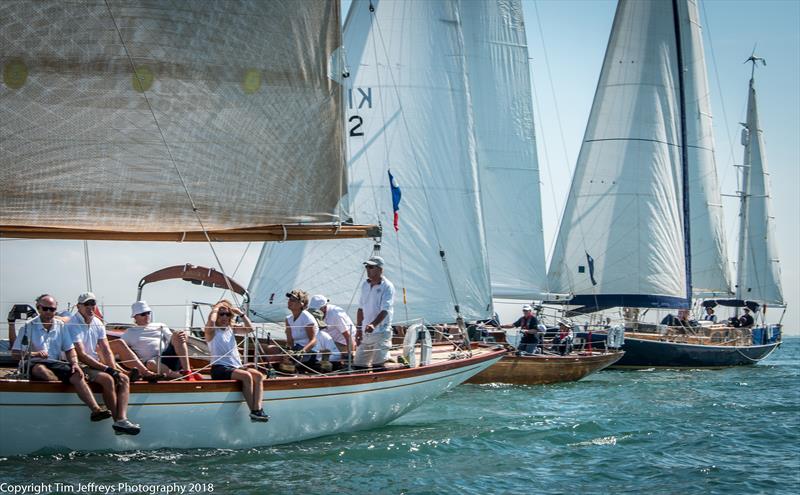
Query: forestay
{"points": [[710, 273], [105, 105], [621, 240], [759, 276], [500, 87], [408, 112]]}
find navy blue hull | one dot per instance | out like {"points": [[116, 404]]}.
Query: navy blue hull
{"points": [[641, 353]]}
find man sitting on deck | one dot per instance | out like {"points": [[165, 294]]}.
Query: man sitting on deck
{"points": [[147, 341], [44, 338], [88, 333], [746, 320]]}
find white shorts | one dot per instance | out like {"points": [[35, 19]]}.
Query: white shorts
{"points": [[374, 349]]}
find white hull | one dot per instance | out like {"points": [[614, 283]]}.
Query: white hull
{"points": [[213, 414]]}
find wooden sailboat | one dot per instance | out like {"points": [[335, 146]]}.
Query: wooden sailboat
{"points": [[642, 227], [499, 77], [128, 121]]}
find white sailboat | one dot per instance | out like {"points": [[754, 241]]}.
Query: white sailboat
{"points": [[127, 121], [642, 227], [408, 114]]}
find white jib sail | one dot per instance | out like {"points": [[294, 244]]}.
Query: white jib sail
{"points": [[408, 112], [621, 238], [759, 276], [710, 273], [500, 88]]}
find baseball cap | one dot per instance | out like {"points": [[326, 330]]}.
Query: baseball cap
{"points": [[86, 296], [526, 307], [374, 261]]}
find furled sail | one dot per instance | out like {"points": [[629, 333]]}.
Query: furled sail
{"points": [[621, 240], [502, 108], [759, 275], [111, 110], [710, 273], [408, 113]]}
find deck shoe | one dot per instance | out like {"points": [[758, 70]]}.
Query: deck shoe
{"points": [[259, 416], [126, 427], [100, 415], [134, 375]]}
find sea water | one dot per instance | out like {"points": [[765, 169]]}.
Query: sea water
{"points": [[734, 430]]}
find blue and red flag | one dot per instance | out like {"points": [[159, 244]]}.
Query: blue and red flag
{"points": [[395, 199]]}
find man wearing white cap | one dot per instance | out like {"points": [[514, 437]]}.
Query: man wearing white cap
{"points": [[88, 334], [528, 323], [339, 325], [151, 340], [374, 317]]}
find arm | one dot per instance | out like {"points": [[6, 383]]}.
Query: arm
{"points": [[246, 326], [377, 321], [211, 323], [312, 338], [87, 359], [106, 356], [72, 358], [359, 321], [289, 338]]}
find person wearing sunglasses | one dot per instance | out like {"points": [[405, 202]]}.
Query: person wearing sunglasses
{"points": [[374, 317], [88, 333], [226, 363], [141, 346], [42, 340]]}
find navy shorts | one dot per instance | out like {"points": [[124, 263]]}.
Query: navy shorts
{"points": [[62, 370], [170, 359], [222, 372]]}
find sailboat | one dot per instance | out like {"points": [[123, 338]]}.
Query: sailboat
{"points": [[126, 121], [642, 227], [499, 78]]}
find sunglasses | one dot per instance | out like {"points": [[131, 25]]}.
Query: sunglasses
{"points": [[146, 313], [47, 308], [224, 314], [372, 267], [90, 303]]}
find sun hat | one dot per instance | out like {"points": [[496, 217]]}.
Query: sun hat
{"points": [[139, 307], [317, 301]]}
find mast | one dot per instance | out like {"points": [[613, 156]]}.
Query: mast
{"points": [[687, 244]]}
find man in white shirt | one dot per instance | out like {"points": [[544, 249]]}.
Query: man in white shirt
{"points": [[45, 339], [339, 325], [374, 317], [88, 334], [141, 346]]}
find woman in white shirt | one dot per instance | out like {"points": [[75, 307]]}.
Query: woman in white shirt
{"points": [[227, 364], [301, 327]]}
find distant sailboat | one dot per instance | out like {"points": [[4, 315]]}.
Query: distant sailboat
{"points": [[642, 227]]}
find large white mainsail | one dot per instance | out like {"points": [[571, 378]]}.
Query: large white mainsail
{"points": [[408, 113], [502, 108], [621, 241], [100, 133], [759, 275], [710, 273]]}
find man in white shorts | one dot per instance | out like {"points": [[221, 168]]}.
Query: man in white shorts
{"points": [[374, 317]]}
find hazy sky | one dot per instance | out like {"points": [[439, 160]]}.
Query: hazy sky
{"points": [[565, 69]]}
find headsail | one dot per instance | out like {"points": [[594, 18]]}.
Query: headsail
{"points": [[710, 273], [621, 240], [408, 113], [500, 88], [107, 114], [759, 274]]}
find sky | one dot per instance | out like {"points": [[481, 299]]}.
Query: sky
{"points": [[567, 41]]}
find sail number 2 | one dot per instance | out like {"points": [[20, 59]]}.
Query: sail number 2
{"points": [[364, 98]]}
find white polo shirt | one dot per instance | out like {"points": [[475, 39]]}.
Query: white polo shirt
{"points": [[55, 341], [87, 334], [377, 298]]}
